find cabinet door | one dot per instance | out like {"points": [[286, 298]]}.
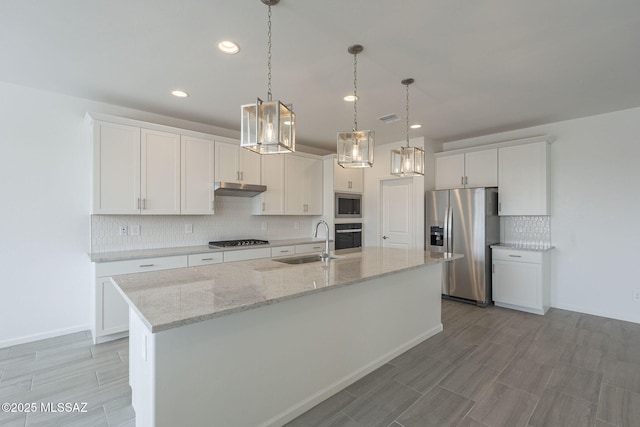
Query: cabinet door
{"points": [[227, 160], [250, 166], [160, 172], [450, 171], [112, 310], [271, 202], [313, 180], [116, 169], [523, 180], [347, 179], [196, 173], [481, 168], [294, 185], [517, 283]]}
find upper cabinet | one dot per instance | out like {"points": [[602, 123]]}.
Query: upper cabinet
{"points": [[303, 185], [347, 179], [294, 186], [150, 172], [236, 164], [467, 170], [197, 157], [524, 179], [116, 168], [159, 172]]}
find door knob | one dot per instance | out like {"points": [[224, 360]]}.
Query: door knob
{"points": [[385, 237]]}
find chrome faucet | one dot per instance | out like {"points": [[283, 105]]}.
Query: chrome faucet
{"points": [[324, 255]]}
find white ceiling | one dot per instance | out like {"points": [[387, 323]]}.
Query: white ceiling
{"points": [[480, 66]]}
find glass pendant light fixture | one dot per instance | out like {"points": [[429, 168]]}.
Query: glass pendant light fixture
{"points": [[407, 161], [268, 127], [355, 148]]}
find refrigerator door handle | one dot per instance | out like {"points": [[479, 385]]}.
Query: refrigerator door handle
{"points": [[449, 229]]}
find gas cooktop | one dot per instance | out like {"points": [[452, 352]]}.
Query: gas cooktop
{"points": [[232, 243]]}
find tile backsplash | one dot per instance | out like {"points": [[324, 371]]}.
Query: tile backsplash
{"points": [[527, 232], [232, 220]]}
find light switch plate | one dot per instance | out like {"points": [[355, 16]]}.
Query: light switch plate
{"points": [[135, 230], [188, 228]]}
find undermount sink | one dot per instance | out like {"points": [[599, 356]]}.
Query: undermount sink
{"points": [[302, 259]]}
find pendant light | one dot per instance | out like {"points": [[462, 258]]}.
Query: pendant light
{"points": [[268, 127], [355, 148], [407, 161]]}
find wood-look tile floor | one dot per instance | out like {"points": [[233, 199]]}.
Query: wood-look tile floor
{"points": [[490, 367]]}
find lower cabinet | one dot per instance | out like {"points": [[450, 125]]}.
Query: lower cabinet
{"points": [[111, 311], [521, 279]]}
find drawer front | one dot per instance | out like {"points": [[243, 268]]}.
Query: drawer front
{"points": [[517, 256], [244, 254], [309, 248], [139, 265], [283, 251], [205, 259]]}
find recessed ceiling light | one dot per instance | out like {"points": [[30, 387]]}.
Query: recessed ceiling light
{"points": [[179, 93], [416, 126], [228, 47], [350, 98]]}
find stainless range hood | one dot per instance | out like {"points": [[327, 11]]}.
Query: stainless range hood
{"points": [[238, 190]]}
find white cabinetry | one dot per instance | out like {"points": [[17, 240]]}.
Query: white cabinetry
{"points": [[111, 311], [205, 259], [467, 170], [150, 172], [524, 179], [245, 254], [347, 179], [521, 280], [116, 168], [271, 202], [236, 164], [159, 172], [303, 185], [309, 248], [196, 176]]}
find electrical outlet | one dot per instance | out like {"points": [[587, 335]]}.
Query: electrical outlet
{"points": [[264, 226], [188, 228], [135, 230], [124, 230], [296, 225], [636, 295]]}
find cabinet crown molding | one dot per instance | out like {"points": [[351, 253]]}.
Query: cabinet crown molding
{"points": [[549, 139]]}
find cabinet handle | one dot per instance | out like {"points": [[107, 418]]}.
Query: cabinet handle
{"points": [[317, 247], [493, 268], [515, 256], [147, 265], [499, 206], [144, 203], [206, 259], [466, 180], [462, 180], [138, 203], [305, 208], [263, 207], [242, 176], [284, 252], [350, 185], [237, 175]]}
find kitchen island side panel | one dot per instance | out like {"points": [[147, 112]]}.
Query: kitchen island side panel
{"points": [[264, 367]]}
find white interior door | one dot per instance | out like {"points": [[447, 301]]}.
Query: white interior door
{"points": [[398, 222]]}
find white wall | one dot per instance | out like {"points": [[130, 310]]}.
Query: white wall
{"points": [[45, 170], [595, 211], [372, 185]]}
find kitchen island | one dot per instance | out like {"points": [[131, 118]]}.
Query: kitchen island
{"points": [[260, 342]]}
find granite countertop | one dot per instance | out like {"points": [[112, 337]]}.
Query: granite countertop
{"points": [[172, 298], [188, 250], [519, 248]]}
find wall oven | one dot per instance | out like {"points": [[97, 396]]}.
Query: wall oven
{"points": [[348, 235], [348, 205]]}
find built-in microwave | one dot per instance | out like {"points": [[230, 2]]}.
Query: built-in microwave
{"points": [[348, 205]]}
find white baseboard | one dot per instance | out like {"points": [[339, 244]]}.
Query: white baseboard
{"points": [[37, 337], [329, 391], [593, 312]]}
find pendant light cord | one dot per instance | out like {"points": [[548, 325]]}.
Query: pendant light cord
{"points": [[269, 56], [407, 116], [355, 92]]}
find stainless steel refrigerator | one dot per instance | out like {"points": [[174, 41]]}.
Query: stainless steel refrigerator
{"points": [[464, 221]]}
